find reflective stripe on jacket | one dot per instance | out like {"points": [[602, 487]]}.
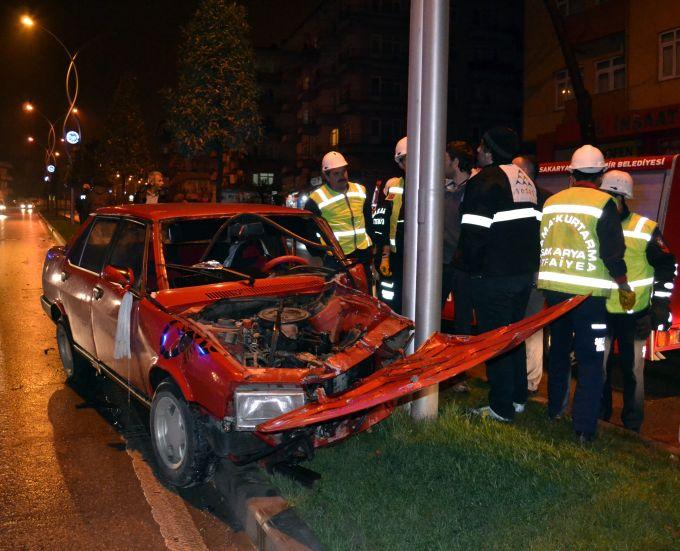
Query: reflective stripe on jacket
{"points": [[570, 248], [394, 191], [344, 213], [637, 231]]}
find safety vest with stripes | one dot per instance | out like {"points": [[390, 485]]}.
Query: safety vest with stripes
{"points": [[344, 213], [394, 190], [570, 248], [637, 231]]}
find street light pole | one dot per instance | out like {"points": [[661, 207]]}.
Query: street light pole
{"points": [[434, 70]]}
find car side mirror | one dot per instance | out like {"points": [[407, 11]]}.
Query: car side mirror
{"points": [[124, 277]]}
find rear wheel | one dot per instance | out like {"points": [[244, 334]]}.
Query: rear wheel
{"points": [[178, 438], [75, 366]]}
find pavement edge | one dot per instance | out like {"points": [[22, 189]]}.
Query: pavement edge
{"points": [[51, 229], [268, 519]]}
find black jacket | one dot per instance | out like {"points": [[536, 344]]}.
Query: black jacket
{"points": [[500, 224], [140, 196]]}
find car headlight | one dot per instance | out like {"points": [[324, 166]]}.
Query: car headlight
{"points": [[30, 206], [23, 205], [2, 207], [257, 404]]}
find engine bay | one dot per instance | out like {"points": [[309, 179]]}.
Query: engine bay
{"points": [[278, 332]]}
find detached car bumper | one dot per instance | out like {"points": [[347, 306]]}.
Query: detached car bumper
{"points": [[46, 306]]}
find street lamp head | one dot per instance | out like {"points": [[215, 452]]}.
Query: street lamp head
{"points": [[28, 106], [30, 139], [27, 21], [57, 153], [75, 110]]}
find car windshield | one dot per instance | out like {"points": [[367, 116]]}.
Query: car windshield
{"points": [[245, 246]]}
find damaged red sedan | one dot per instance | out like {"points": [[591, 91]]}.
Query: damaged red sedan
{"points": [[247, 331]]}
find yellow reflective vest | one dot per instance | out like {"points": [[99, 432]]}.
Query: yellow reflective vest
{"points": [[344, 213], [637, 231], [394, 191], [570, 248]]}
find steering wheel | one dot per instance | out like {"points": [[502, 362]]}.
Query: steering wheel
{"points": [[270, 265]]}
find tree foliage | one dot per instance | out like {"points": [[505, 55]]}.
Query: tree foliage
{"points": [[125, 148], [214, 106]]}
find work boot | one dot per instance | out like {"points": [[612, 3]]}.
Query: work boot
{"points": [[487, 412]]}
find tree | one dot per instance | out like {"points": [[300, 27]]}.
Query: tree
{"points": [[125, 149], [214, 106], [584, 107]]}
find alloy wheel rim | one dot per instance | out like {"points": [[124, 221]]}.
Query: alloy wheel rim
{"points": [[170, 432]]}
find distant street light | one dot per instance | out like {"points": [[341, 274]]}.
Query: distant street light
{"points": [[51, 168], [30, 139], [27, 21]]}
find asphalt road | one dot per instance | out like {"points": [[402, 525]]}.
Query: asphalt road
{"points": [[76, 470]]}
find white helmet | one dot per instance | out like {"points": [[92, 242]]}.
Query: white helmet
{"points": [[619, 182], [332, 160], [401, 149], [587, 159]]}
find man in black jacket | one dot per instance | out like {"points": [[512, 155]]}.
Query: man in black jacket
{"points": [[499, 248], [154, 191]]}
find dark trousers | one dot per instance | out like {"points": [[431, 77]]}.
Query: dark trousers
{"points": [[458, 282], [500, 301], [623, 331], [585, 329]]}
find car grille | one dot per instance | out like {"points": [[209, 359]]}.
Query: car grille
{"points": [[344, 381]]}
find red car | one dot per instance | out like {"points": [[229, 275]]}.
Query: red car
{"points": [[249, 333]]}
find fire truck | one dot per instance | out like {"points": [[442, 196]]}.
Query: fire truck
{"points": [[657, 196]]}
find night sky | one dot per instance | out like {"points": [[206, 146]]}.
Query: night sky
{"points": [[113, 37]]}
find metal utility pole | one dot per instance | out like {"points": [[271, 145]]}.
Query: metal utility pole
{"points": [[430, 208]]}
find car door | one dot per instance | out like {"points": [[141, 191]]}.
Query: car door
{"points": [[127, 251], [80, 275]]}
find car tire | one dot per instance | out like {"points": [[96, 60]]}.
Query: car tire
{"points": [[178, 438], [74, 365]]}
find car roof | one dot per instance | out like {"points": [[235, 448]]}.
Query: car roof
{"points": [[164, 211]]}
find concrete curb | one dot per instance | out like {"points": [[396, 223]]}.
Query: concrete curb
{"points": [[268, 519], [662, 446], [50, 228]]}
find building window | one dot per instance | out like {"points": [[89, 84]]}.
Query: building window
{"points": [[376, 128], [263, 179], [335, 137], [563, 89], [669, 54], [610, 74], [376, 86]]}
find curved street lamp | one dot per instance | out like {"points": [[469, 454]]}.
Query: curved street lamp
{"points": [[71, 83], [50, 154]]}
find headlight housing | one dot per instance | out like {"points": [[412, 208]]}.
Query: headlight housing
{"points": [[256, 404]]}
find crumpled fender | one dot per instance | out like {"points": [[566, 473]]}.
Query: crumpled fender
{"points": [[439, 358]]}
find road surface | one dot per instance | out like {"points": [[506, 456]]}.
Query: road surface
{"points": [[75, 465]]}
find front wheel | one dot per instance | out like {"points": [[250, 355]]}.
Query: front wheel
{"points": [[178, 438]]}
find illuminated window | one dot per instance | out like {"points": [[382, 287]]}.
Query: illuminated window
{"points": [[563, 89], [335, 137], [263, 179], [610, 74], [669, 54]]}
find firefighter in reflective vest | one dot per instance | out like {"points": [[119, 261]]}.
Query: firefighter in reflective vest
{"points": [[582, 252], [651, 270], [392, 216], [344, 206]]}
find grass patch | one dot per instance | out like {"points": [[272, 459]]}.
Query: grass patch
{"points": [[62, 225], [466, 483]]}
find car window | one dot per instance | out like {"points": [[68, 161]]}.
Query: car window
{"points": [[128, 250], [97, 244]]}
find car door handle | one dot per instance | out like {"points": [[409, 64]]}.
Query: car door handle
{"points": [[64, 276], [97, 293]]}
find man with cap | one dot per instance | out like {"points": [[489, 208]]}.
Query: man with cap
{"points": [[582, 250], [651, 270], [84, 202], [344, 206], [499, 248], [390, 215]]}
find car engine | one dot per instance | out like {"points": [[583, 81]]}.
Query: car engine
{"points": [[274, 332]]}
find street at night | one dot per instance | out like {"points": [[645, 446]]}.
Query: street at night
{"points": [[355, 275]]}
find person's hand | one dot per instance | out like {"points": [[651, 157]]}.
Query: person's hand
{"points": [[626, 297], [385, 266], [661, 315]]}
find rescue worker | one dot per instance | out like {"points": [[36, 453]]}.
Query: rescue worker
{"points": [[344, 206], [499, 248], [154, 191], [84, 202], [582, 252], [458, 161], [651, 270], [392, 212], [534, 344]]}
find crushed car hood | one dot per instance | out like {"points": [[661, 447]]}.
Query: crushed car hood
{"points": [[439, 358]]}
